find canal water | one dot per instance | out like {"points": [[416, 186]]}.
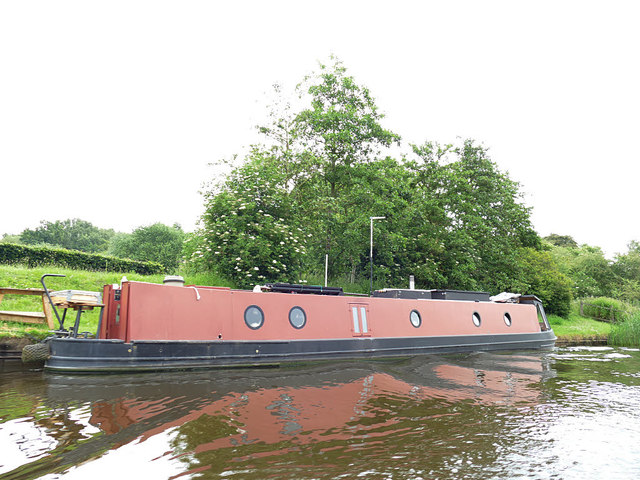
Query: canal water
{"points": [[568, 413]]}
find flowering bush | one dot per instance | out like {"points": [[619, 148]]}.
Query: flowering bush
{"points": [[244, 234]]}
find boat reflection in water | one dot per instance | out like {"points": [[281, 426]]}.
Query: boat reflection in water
{"points": [[304, 422]]}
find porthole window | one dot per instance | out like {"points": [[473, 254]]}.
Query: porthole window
{"points": [[297, 317], [253, 317], [415, 318], [476, 319], [507, 319]]}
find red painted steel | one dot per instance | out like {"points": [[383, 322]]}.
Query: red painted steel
{"points": [[159, 312]]}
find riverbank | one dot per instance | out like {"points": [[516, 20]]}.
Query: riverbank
{"points": [[578, 330]]}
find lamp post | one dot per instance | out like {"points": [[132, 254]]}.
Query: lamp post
{"points": [[371, 219]]}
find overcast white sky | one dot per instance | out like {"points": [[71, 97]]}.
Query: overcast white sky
{"points": [[110, 111]]}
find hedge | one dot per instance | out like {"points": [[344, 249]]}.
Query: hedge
{"points": [[12, 254]]}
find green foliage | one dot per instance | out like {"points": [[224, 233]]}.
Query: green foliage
{"points": [[342, 126], [452, 218], [8, 238], [606, 308], [591, 273], [627, 268], [12, 254], [486, 217], [245, 235], [72, 234], [627, 332], [561, 240], [154, 243], [540, 276]]}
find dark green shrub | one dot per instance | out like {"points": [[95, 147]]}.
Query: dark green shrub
{"points": [[13, 254]]}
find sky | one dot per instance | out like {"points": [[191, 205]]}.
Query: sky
{"points": [[112, 111]]}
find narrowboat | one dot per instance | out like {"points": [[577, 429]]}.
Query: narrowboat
{"points": [[172, 326]]}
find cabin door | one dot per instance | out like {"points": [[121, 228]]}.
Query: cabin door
{"points": [[359, 318]]}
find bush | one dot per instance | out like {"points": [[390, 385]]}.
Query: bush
{"points": [[605, 308], [13, 254]]}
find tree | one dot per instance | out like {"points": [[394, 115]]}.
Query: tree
{"points": [[249, 231], [561, 240], [452, 218], [540, 276], [627, 269], [591, 273], [342, 127], [339, 131], [157, 243], [74, 234], [482, 222], [10, 238], [627, 265]]}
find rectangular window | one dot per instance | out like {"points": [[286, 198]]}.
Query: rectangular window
{"points": [[359, 318]]}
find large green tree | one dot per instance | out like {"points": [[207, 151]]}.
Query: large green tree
{"points": [[539, 275], [474, 212], [339, 130], [453, 219], [157, 243], [74, 234], [591, 273]]}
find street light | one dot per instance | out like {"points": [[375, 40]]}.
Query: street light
{"points": [[371, 219]]}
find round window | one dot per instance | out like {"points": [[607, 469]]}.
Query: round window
{"points": [[253, 317], [507, 319], [415, 319], [476, 319], [297, 317]]}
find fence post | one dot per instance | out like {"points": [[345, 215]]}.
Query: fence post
{"points": [[581, 308]]}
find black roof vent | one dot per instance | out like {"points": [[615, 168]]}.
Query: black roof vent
{"points": [[306, 289]]}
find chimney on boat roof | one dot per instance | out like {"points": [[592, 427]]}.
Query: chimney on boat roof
{"points": [[173, 280], [412, 282]]}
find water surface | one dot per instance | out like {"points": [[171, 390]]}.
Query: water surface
{"points": [[569, 413]]}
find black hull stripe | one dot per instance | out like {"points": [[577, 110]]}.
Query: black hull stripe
{"points": [[89, 355]]}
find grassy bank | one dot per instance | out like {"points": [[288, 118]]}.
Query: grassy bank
{"points": [[23, 277], [577, 329]]}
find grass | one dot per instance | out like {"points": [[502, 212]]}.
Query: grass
{"points": [[576, 328], [23, 277], [626, 333]]}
